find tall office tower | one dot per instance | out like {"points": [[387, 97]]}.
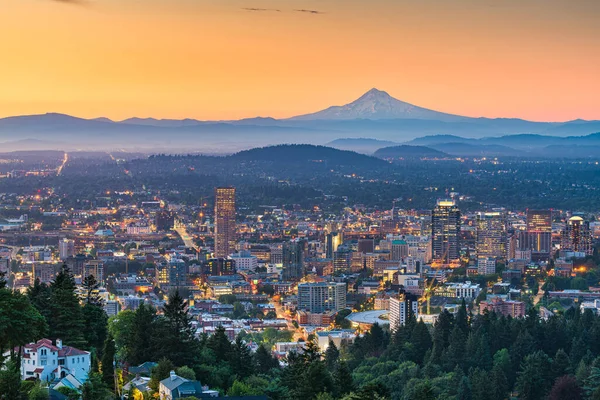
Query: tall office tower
{"points": [[491, 240], [342, 259], [445, 231], [577, 236], [332, 241], [95, 268], [321, 296], [400, 309], [224, 221], [539, 234], [220, 267], [399, 250], [177, 272], [66, 248], [293, 260]]}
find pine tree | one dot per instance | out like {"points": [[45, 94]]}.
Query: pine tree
{"points": [[139, 340], [332, 355], [40, 296], [241, 359], [90, 287], [67, 322], [95, 327], [108, 358], [263, 360], [464, 389], [174, 335], [421, 340], [220, 345], [342, 379], [533, 380]]}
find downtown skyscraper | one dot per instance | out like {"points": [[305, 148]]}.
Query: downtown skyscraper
{"points": [[225, 228], [538, 237], [491, 240], [445, 232]]}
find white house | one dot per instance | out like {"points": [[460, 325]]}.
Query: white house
{"points": [[48, 362]]}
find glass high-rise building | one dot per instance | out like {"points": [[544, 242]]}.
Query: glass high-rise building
{"points": [[538, 237], [293, 260], [491, 240], [225, 230], [577, 236], [445, 232]]}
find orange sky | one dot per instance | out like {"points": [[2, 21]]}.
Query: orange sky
{"points": [[212, 59]]}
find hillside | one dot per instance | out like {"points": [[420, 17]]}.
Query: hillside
{"points": [[405, 151], [304, 153]]}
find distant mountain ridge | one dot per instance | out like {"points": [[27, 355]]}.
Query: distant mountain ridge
{"points": [[373, 116]]}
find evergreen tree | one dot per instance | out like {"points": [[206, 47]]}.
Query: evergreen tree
{"points": [[441, 335], [95, 327], [174, 334], [161, 371], [480, 384], [561, 364], [67, 322], [108, 358], [95, 389], [139, 339], [332, 355], [263, 360], [342, 379], [533, 380], [499, 384], [464, 389], [40, 297], [220, 345], [90, 287], [241, 359], [456, 351], [20, 323], [421, 341]]}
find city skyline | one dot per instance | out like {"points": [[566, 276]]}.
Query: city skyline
{"points": [[215, 60]]}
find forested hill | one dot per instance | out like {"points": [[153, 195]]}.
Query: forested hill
{"points": [[406, 151], [301, 153]]}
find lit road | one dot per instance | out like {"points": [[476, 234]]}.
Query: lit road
{"points": [[282, 315], [59, 170], [187, 239]]}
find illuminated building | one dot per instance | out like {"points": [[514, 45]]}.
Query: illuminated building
{"points": [[66, 248], [445, 230], [293, 260], [342, 259], [225, 231], [95, 268], [400, 309], [538, 237], [576, 236], [321, 296], [491, 235]]}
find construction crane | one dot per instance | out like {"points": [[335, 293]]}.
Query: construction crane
{"points": [[426, 297]]}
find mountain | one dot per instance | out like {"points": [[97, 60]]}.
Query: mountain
{"points": [[360, 145], [377, 104], [374, 116], [405, 151]]}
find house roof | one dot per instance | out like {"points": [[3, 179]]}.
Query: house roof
{"points": [[173, 382], [65, 351]]}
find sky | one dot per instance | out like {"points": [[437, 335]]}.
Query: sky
{"points": [[230, 59]]}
